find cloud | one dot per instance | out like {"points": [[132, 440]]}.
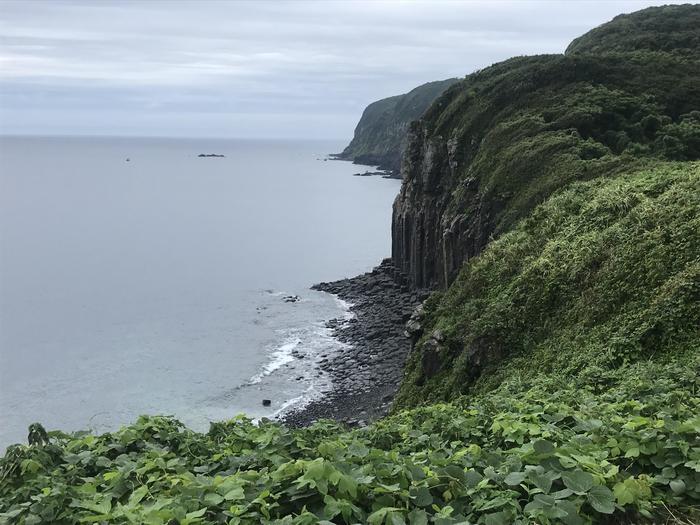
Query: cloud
{"points": [[178, 67]]}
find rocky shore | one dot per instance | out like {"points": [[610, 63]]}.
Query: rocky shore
{"points": [[367, 373]]}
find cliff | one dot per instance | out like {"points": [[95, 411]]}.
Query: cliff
{"points": [[505, 138], [530, 193], [380, 134]]}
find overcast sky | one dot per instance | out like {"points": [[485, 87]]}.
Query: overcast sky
{"points": [[253, 69]]}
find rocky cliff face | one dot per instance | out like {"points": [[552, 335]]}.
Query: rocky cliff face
{"points": [[422, 244], [505, 138], [533, 190], [380, 135], [429, 244]]}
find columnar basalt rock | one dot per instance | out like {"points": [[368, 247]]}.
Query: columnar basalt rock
{"points": [[429, 242]]}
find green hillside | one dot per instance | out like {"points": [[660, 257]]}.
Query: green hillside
{"points": [[553, 202], [504, 139], [603, 274], [672, 28], [380, 134]]}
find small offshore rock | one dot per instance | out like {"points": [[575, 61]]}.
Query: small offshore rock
{"points": [[266, 402]]}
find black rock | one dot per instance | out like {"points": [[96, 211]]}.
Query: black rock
{"points": [[266, 402]]}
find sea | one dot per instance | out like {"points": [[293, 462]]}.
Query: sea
{"points": [[137, 277]]}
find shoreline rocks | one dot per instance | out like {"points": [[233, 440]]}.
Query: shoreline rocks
{"points": [[367, 373], [385, 174]]}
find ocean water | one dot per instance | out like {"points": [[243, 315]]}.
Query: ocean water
{"points": [[156, 285]]}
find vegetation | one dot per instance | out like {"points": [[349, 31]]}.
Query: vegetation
{"points": [[604, 273], [534, 450], [380, 134], [556, 381], [526, 127], [672, 28]]}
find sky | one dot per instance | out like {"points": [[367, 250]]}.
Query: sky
{"points": [[281, 69]]}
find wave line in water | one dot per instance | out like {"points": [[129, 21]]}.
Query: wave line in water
{"points": [[278, 359]]}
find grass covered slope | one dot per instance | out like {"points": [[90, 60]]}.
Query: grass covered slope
{"points": [[603, 273], [380, 133]]}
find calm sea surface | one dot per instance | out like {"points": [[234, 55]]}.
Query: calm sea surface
{"points": [[156, 286]]}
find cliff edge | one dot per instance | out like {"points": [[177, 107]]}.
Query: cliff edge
{"points": [[380, 135]]}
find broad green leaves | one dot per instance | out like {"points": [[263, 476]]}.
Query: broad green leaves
{"points": [[602, 499], [441, 464], [578, 481]]}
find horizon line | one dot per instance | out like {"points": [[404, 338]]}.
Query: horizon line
{"points": [[170, 137]]}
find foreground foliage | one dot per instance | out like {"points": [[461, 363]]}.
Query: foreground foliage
{"points": [[623, 444]]}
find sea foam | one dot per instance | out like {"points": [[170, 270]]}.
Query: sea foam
{"points": [[280, 357]]}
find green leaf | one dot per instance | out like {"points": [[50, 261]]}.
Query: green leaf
{"points": [[33, 519], [376, 518], [138, 495], [677, 486], [235, 494], [416, 472], [418, 517], [472, 478], [498, 518], [668, 472], [396, 519], [632, 452], [624, 493], [602, 499], [561, 494], [571, 516], [347, 485], [421, 496], [212, 499], [196, 514], [100, 507], [358, 449], [541, 481], [542, 446], [578, 481], [515, 478], [494, 503]]}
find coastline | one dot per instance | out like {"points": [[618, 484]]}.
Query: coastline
{"points": [[366, 373], [381, 167]]}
